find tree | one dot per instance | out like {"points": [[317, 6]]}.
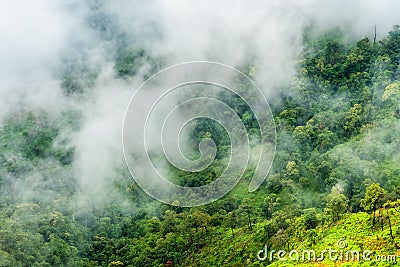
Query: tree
{"points": [[373, 199], [309, 218], [170, 222], [391, 44], [391, 96], [388, 206], [354, 119], [291, 170], [336, 204], [116, 263], [269, 203], [231, 221], [303, 138], [200, 219], [248, 210], [392, 89]]}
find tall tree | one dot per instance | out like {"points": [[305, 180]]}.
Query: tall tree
{"points": [[373, 199], [336, 204]]}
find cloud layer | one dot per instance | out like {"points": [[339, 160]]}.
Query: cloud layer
{"points": [[40, 39]]}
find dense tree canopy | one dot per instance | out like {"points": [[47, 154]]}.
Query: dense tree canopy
{"points": [[337, 152]]}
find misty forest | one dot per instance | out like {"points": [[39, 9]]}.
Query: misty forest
{"points": [[332, 80]]}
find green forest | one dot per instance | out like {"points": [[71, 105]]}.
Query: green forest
{"points": [[335, 176]]}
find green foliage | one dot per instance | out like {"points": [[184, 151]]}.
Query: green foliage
{"points": [[130, 62], [78, 79], [309, 218], [354, 119], [391, 45], [336, 204], [33, 134], [337, 152], [374, 199]]}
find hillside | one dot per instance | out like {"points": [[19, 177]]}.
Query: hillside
{"points": [[354, 232], [67, 197]]}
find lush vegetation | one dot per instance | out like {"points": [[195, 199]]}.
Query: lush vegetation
{"points": [[335, 174]]}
